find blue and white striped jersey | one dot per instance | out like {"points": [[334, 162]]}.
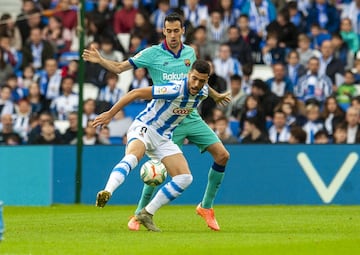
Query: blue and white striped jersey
{"points": [[171, 103]]}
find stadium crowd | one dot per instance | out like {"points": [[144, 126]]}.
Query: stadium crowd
{"points": [[310, 46]]}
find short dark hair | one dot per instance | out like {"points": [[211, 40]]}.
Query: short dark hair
{"points": [[172, 17], [235, 77], [298, 133], [201, 66]]}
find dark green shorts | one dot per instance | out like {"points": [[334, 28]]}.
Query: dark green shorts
{"points": [[196, 131]]}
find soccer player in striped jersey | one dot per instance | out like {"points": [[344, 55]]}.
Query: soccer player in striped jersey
{"points": [[170, 60], [151, 133]]}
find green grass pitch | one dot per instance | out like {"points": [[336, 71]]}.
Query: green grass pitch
{"points": [[265, 230]]}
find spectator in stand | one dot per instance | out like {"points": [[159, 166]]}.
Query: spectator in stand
{"points": [[108, 50], [340, 134], [104, 135], [272, 52], [238, 47], [67, 102], [352, 123], [355, 102], [124, 19], [252, 109], [6, 105], [216, 30], [297, 105], [36, 122], [6, 69], [279, 132], [342, 51], [238, 97], [17, 93], [225, 65], [324, 14], [297, 17], [65, 12], [348, 35], [313, 123], [37, 101], [95, 73], [287, 31], [347, 89], [329, 64], [297, 135], [110, 93], [351, 11], [268, 100], [11, 56], [229, 13], [50, 80], [260, 13], [200, 39], [321, 137], [141, 79], [222, 131], [71, 132], [90, 134], [253, 133], [195, 13], [158, 16], [32, 20], [313, 85], [7, 130], [89, 114], [10, 30], [21, 119], [57, 35], [280, 83], [250, 37], [332, 114], [217, 83], [27, 77], [70, 70], [247, 70], [145, 28], [48, 134], [37, 50], [294, 70], [317, 36], [104, 10], [304, 50]]}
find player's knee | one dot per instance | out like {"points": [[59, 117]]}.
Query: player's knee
{"points": [[183, 180], [222, 157]]}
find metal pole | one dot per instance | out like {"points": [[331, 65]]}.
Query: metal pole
{"points": [[79, 146]]}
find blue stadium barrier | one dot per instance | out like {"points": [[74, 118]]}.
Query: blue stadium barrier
{"points": [[256, 174]]}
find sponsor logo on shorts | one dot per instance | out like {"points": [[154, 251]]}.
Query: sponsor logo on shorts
{"points": [[182, 111]]}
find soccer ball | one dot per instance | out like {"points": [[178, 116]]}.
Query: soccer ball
{"points": [[153, 172]]}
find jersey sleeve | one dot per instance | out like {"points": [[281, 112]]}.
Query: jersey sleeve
{"points": [[167, 91], [142, 59]]}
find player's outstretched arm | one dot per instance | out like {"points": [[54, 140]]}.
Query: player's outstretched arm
{"points": [[220, 98], [106, 117], [94, 56]]}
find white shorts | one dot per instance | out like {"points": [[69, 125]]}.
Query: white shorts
{"points": [[157, 146]]}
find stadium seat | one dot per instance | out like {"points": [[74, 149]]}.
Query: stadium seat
{"points": [[263, 72], [89, 90], [124, 39], [117, 140], [61, 125], [234, 127]]}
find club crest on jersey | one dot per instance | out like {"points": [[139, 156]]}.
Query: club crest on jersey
{"points": [[182, 111], [187, 62]]}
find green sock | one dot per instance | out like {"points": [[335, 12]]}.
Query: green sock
{"points": [[214, 181], [146, 196]]}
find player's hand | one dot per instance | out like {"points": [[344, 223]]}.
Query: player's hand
{"points": [[102, 119], [223, 99], [92, 55]]}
